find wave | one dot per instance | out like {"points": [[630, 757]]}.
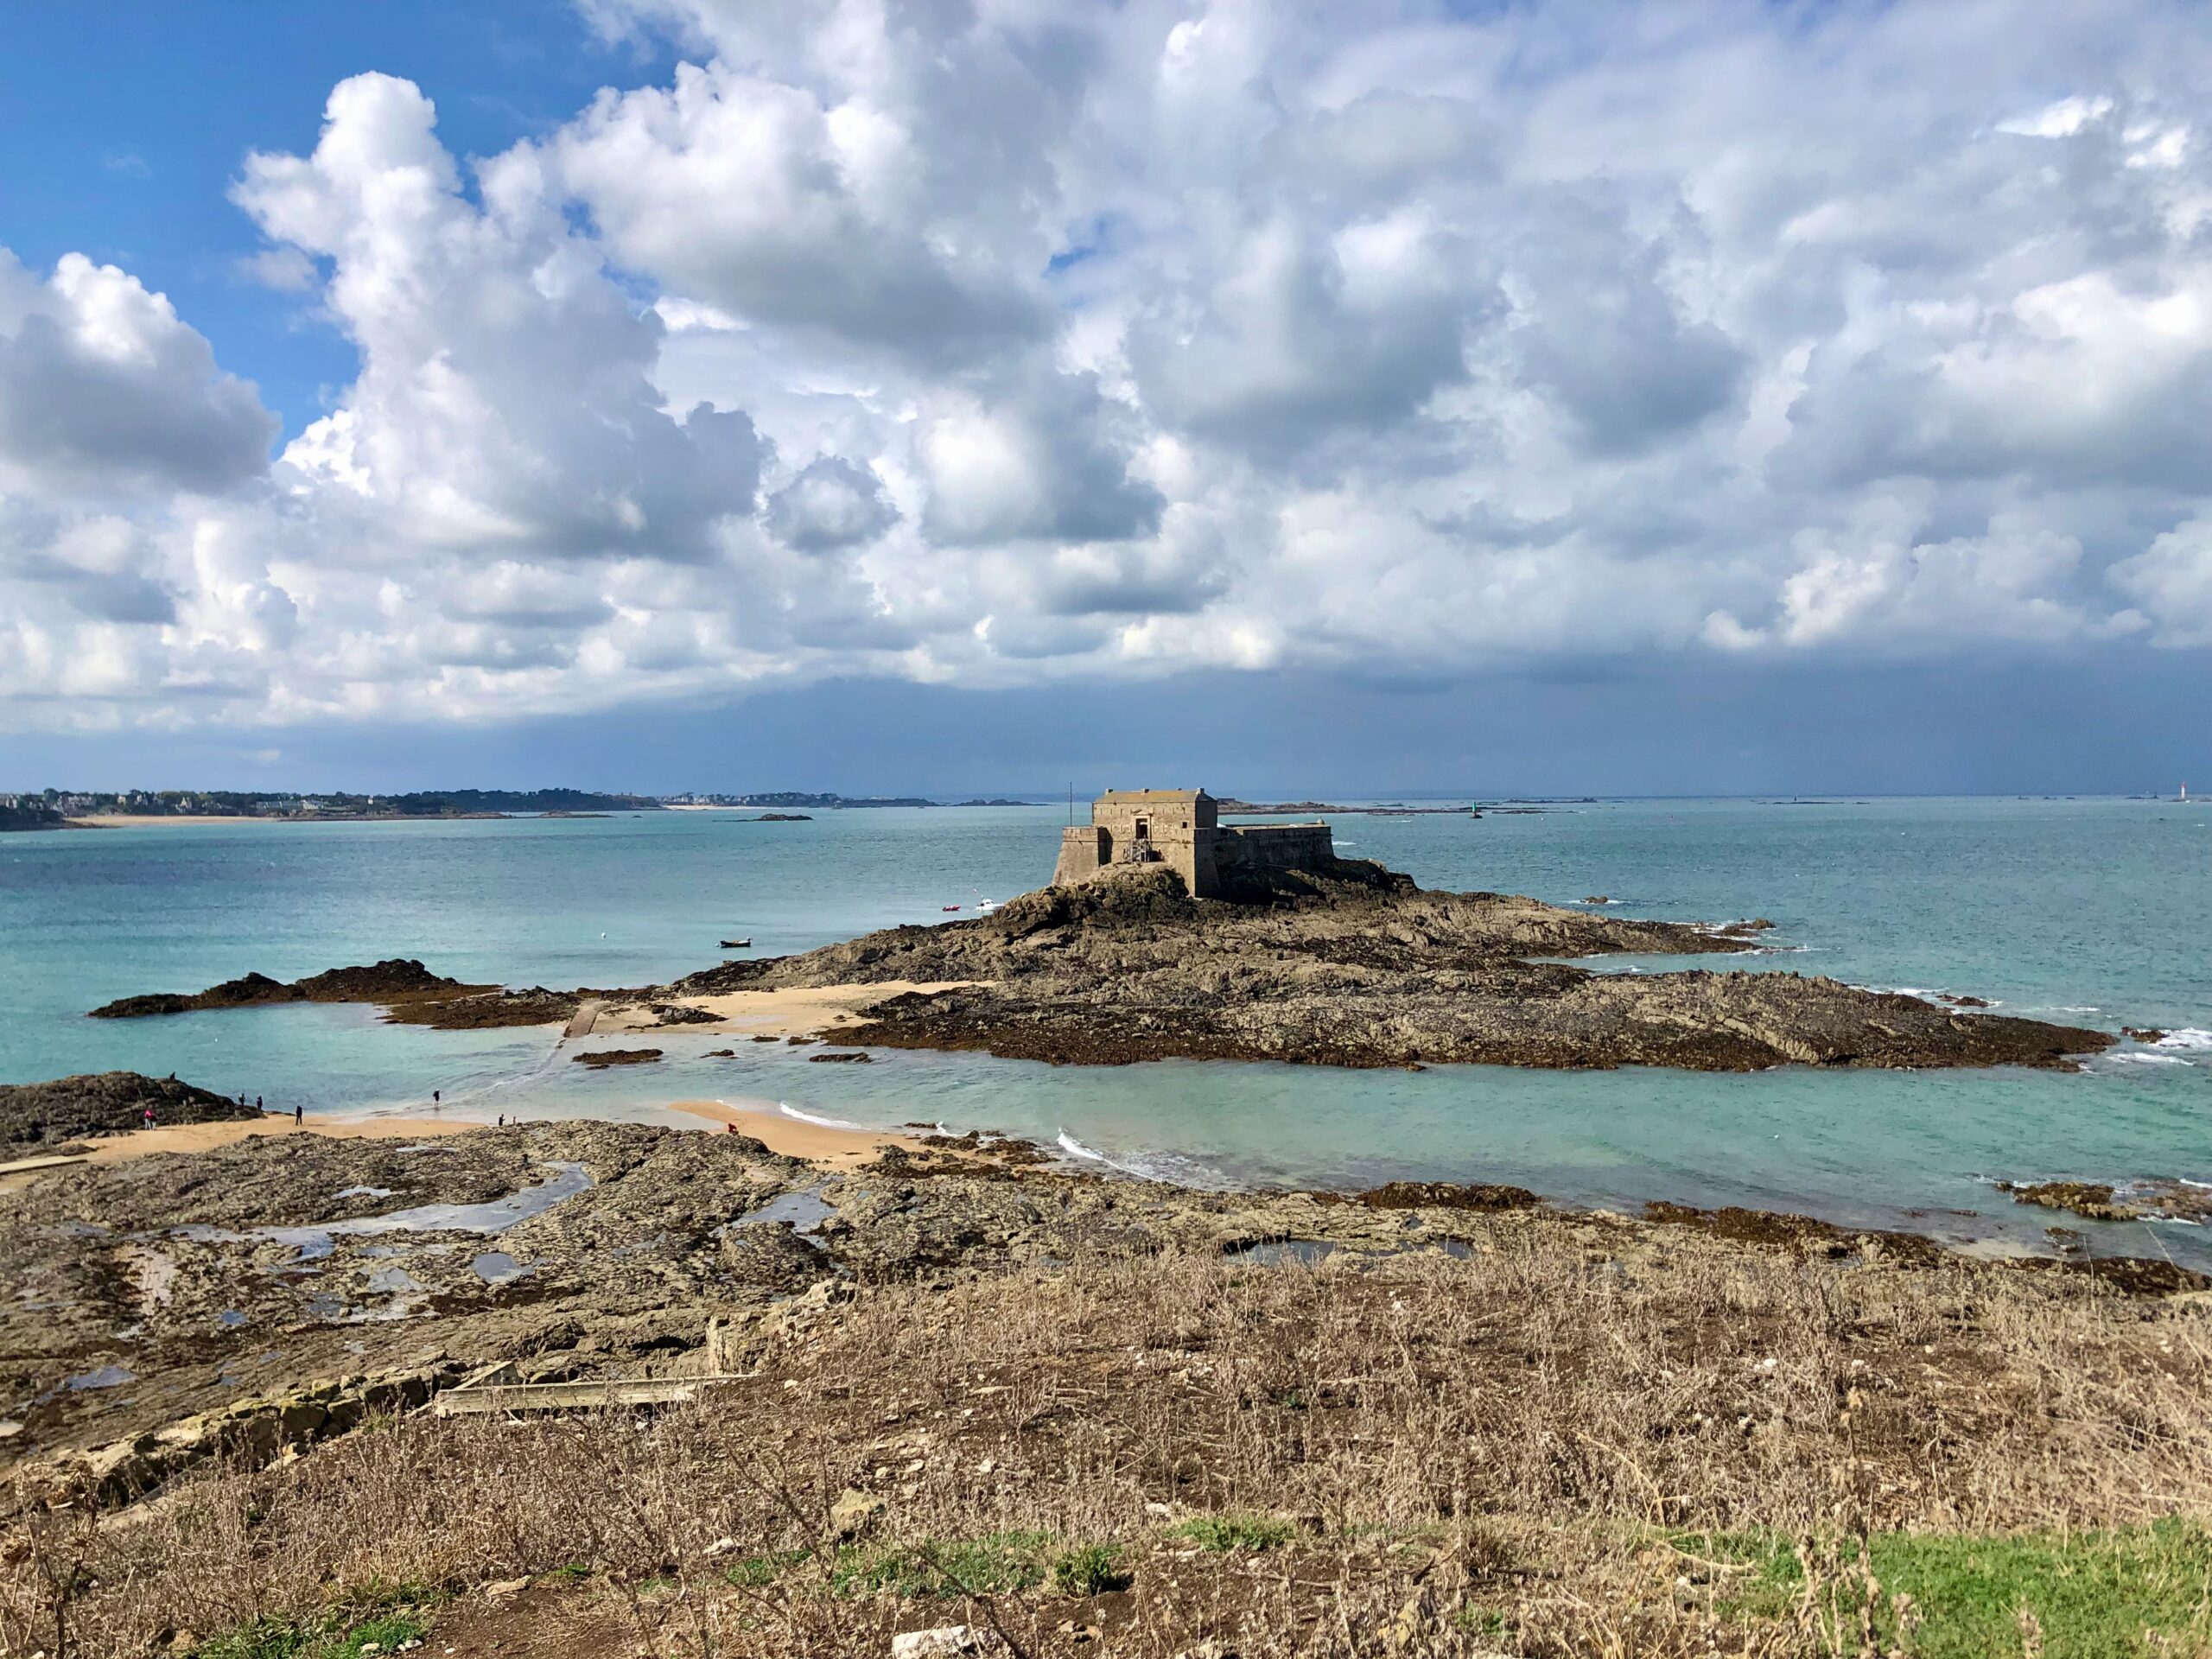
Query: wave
{"points": [[2140, 1057], [1075, 1148], [789, 1110], [1168, 1167], [2187, 1036]]}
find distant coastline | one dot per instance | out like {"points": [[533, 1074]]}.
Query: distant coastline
{"points": [[66, 809], [54, 809]]}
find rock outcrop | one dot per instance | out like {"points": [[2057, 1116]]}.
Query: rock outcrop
{"points": [[103, 1102], [399, 980], [1357, 967], [2152, 1198], [600, 1059]]}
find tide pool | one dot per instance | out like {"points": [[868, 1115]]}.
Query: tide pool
{"points": [[2091, 911]]}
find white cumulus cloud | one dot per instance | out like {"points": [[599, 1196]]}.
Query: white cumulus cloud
{"points": [[1005, 343]]}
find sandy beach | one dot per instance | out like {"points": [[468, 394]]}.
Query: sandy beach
{"points": [[147, 820], [819, 1143]]}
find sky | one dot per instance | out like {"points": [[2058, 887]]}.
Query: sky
{"points": [[966, 394]]}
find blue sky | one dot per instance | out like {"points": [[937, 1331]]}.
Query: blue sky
{"points": [[124, 136], [681, 393]]}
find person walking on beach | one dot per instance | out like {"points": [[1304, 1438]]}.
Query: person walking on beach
{"points": [[150, 1117], [299, 1117], [436, 1100], [257, 1106]]}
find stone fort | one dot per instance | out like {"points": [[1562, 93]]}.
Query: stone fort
{"points": [[1182, 828]]}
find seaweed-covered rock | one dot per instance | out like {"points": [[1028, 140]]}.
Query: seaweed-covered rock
{"points": [[105, 1103]]}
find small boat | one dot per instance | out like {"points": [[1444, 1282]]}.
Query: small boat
{"points": [[737, 944], [949, 909], [984, 907]]}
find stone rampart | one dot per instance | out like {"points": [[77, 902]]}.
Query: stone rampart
{"points": [[1257, 847], [1083, 852]]}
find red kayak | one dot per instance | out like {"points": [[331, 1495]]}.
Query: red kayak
{"points": [[948, 908]]}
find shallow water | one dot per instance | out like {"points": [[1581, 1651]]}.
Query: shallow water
{"points": [[2094, 912]]}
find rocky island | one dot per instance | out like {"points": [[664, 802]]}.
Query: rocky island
{"points": [[1342, 962], [1353, 965]]}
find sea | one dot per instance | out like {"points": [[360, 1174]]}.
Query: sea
{"points": [[2095, 912]]}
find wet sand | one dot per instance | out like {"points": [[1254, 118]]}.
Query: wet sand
{"points": [[818, 1143], [799, 1012]]}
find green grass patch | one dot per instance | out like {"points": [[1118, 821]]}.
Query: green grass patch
{"points": [[568, 1572], [756, 1572], [1001, 1564], [336, 1635], [2131, 1591], [1090, 1570], [1477, 1620], [1224, 1533]]}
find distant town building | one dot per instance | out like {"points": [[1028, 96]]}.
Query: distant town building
{"points": [[1182, 828]]}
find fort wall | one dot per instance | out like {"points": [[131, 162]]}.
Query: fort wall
{"points": [[1182, 828], [1082, 854], [1258, 847]]}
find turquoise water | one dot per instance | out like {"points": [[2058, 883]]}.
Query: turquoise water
{"points": [[2096, 912]]}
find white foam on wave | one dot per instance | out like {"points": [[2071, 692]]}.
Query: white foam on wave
{"points": [[1147, 1167], [1075, 1148], [2187, 1036], [789, 1110], [2139, 1057]]}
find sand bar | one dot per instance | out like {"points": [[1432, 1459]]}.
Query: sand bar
{"points": [[795, 1013]]}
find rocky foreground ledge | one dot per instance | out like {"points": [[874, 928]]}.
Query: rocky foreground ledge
{"points": [[1038, 1412], [1354, 966], [155, 1295]]}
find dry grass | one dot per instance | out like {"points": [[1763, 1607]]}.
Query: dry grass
{"points": [[1543, 1450]]}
